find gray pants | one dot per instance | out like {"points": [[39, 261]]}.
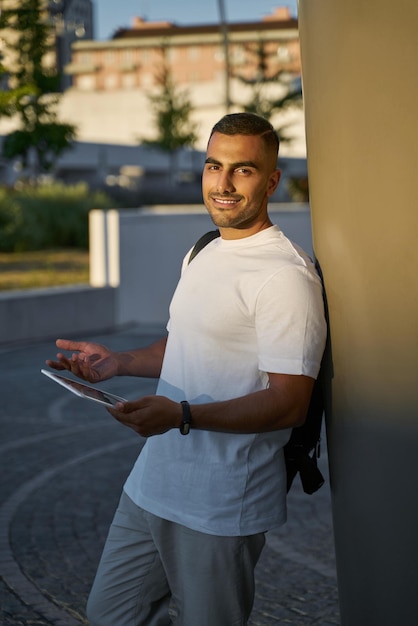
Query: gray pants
{"points": [[156, 573]]}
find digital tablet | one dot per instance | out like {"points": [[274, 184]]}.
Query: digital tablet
{"points": [[85, 391]]}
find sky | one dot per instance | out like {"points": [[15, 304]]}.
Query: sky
{"points": [[113, 14]]}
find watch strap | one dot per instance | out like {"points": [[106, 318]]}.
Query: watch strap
{"points": [[187, 418]]}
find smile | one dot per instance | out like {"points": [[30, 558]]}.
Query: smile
{"points": [[226, 202]]}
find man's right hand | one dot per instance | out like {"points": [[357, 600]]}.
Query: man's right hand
{"points": [[89, 361]]}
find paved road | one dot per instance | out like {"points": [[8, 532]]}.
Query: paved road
{"points": [[63, 462]]}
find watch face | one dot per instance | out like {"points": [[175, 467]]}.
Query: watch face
{"points": [[185, 428]]}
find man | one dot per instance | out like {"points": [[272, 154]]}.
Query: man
{"points": [[236, 371]]}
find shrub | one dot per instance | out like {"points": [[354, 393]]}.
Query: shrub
{"points": [[50, 215]]}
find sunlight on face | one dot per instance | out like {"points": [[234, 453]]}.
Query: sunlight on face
{"points": [[238, 178]]}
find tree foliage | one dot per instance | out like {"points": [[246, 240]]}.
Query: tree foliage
{"points": [[172, 108], [263, 76], [33, 84], [49, 215]]}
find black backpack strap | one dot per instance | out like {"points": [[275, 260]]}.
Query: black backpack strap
{"points": [[303, 448], [202, 242]]}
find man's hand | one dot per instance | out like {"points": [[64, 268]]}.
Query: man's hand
{"points": [[89, 361], [150, 415]]}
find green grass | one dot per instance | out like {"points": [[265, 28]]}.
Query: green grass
{"points": [[45, 268]]}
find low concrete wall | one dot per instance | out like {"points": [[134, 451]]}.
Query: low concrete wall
{"points": [[35, 314], [135, 259]]}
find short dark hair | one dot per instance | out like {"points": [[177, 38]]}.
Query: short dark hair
{"points": [[248, 124]]}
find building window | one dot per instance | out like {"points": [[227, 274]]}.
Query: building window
{"points": [[146, 56], [111, 81], [86, 82], [171, 54], [147, 80], [193, 53], [128, 81], [128, 55], [239, 55], [110, 56], [283, 54], [85, 58]]}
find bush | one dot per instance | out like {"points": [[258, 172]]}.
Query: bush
{"points": [[50, 215]]}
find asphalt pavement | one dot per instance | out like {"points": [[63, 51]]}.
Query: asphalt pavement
{"points": [[63, 463]]}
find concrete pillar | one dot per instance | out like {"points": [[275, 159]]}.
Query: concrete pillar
{"points": [[104, 248], [361, 106]]}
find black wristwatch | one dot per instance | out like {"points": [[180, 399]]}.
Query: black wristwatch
{"points": [[187, 418]]}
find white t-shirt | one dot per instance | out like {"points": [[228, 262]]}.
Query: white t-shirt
{"points": [[242, 308]]}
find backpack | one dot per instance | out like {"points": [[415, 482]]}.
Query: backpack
{"points": [[302, 451]]}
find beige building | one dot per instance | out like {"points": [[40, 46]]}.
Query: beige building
{"points": [[112, 80]]}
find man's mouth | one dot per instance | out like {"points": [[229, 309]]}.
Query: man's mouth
{"points": [[225, 202]]}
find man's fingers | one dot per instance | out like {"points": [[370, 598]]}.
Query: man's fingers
{"points": [[56, 365], [68, 344]]}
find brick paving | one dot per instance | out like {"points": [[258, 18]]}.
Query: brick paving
{"points": [[63, 463]]}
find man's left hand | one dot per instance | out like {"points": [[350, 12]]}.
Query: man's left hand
{"points": [[150, 415]]}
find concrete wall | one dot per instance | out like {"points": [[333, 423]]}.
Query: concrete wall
{"points": [[135, 259], [34, 314], [361, 101]]}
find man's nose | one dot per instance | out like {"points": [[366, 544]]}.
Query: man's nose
{"points": [[224, 183]]}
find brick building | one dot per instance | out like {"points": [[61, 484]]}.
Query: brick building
{"points": [[112, 79], [195, 53]]}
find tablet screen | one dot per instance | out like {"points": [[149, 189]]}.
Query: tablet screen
{"points": [[85, 391]]}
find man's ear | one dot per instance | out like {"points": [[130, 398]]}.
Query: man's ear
{"points": [[273, 182]]}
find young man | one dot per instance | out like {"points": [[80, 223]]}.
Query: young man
{"points": [[245, 340]]}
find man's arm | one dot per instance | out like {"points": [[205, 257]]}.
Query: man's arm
{"points": [[283, 404], [94, 362]]}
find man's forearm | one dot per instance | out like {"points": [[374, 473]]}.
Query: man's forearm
{"points": [[257, 412], [145, 362], [281, 406]]}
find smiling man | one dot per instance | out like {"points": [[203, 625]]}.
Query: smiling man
{"points": [[245, 338], [236, 190]]}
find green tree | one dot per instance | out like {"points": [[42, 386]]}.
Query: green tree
{"points": [[33, 84], [262, 76], [171, 109]]}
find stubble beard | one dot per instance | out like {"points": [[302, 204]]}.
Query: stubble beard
{"points": [[234, 217]]}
